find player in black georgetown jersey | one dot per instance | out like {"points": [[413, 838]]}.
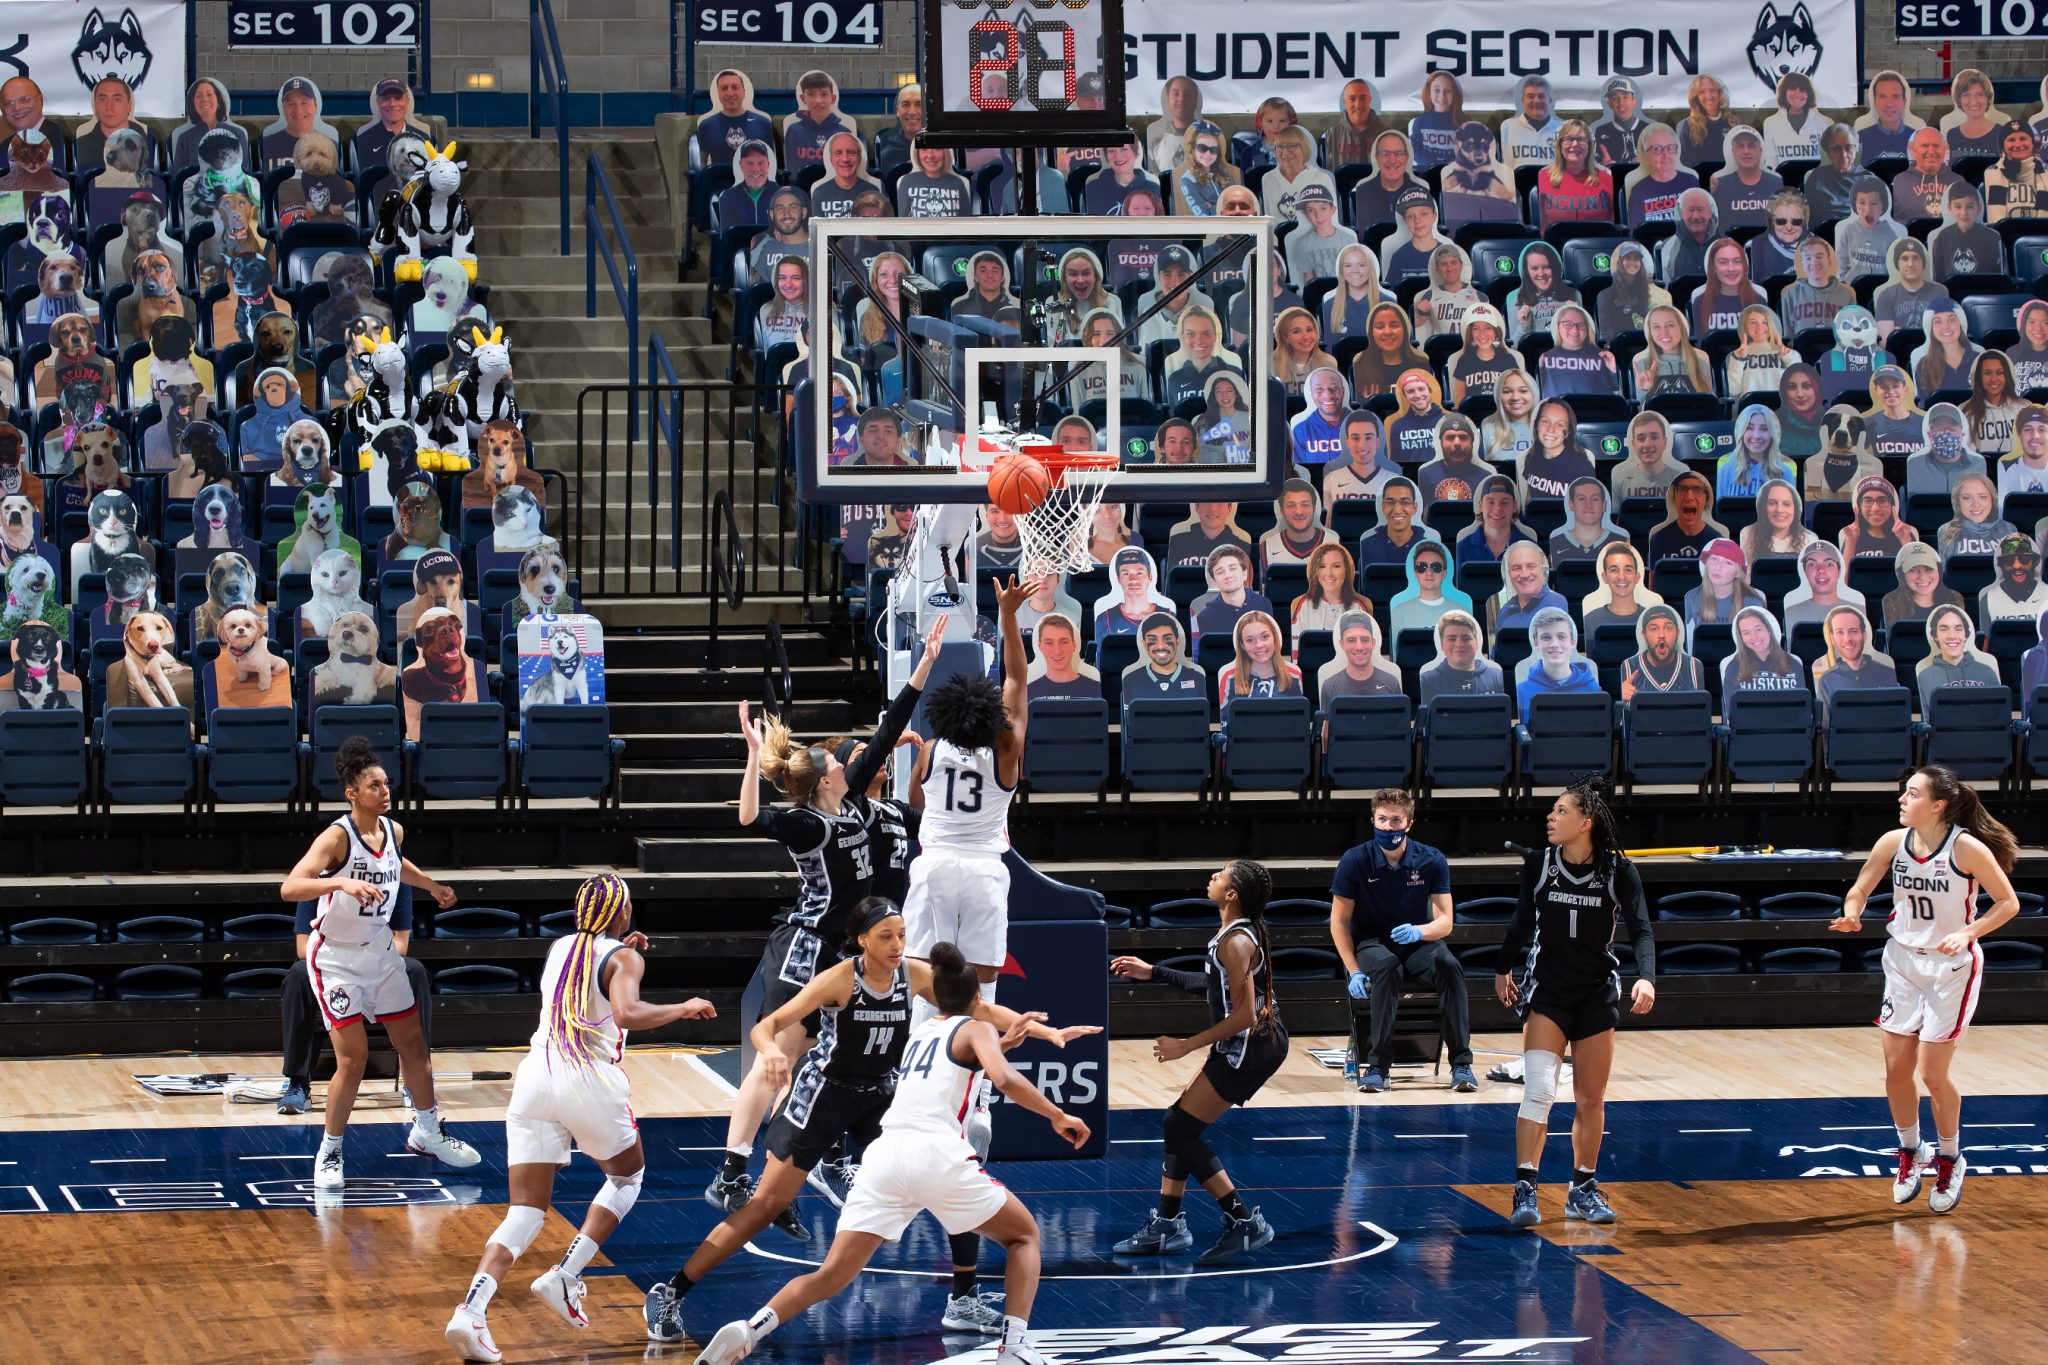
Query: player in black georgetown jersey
{"points": [[842, 1085], [829, 832], [1246, 1042], [1571, 895]]}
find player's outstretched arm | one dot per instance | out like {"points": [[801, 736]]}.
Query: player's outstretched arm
{"points": [[629, 1011], [831, 988], [1973, 858], [980, 1038], [1874, 867]]}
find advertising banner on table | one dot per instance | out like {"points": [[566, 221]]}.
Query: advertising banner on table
{"points": [[1305, 51], [68, 47]]}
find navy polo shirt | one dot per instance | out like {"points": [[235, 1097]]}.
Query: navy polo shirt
{"points": [[1383, 895]]}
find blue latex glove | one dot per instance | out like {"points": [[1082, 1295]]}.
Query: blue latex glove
{"points": [[1406, 933], [1360, 988]]}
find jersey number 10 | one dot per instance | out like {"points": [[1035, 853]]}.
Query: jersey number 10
{"points": [[1921, 906]]}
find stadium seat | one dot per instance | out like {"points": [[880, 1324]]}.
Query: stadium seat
{"points": [[1870, 734], [1298, 911], [1699, 959], [1799, 905], [157, 981], [1166, 745], [160, 929], [2008, 641], [2036, 731], [2005, 955], [253, 754], [53, 930], [1970, 730], [147, 756], [1796, 961], [42, 758], [1468, 742], [460, 754], [1767, 737], [1698, 906], [332, 725], [1668, 737], [262, 927], [1306, 964], [254, 983], [474, 921], [1187, 912], [1066, 745], [1485, 910], [1568, 735], [568, 751], [50, 988], [1265, 742], [1369, 744], [477, 978]]}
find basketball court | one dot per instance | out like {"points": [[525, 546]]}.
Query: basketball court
{"points": [[1749, 1168]]}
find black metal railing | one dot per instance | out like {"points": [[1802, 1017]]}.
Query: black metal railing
{"points": [[778, 685], [626, 286], [727, 563], [548, 78]]}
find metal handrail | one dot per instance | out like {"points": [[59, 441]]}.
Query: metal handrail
{"points": [[728, 573], [665, 424], [778, 686], [626, 290], [548, 75]]}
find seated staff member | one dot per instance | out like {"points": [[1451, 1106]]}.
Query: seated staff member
{"points": [[299, 1012], [1405, 888]]}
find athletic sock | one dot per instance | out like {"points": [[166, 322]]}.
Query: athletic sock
{"points": [[581, 1249], [478, 1298], [1013, 1330], [1234, 1207], [963, 1283], [1909, 1138], [1527, 1173], [682, 1284], [1169, 1205], [330, 1142], [1949, 1146], [1581, 1177], [764, 1322], [736, 1161], [427, 1120]]}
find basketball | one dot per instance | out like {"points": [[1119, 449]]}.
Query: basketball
{"points": [[1018, 484]]}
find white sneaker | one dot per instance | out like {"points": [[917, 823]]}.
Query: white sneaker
{"points": [[470, 1335], [563, 1292], [450, 1150], [734, 1342], [1912, 1167], [1948, 1183], [327, 1172], [1020, 1354]]}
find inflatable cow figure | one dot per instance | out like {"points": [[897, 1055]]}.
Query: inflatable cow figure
{"points": [[433, 214]]}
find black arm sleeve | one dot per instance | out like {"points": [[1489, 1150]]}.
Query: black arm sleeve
{"points": [[1635, 917], [861, 772], [1194, 983], [1522, 928]]}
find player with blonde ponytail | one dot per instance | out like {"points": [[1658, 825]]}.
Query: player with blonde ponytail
{"points": [[571, 1086]]}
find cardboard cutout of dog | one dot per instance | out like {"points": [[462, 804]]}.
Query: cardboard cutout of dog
{"points": [[38, 680], [32, 595], [442, 672], [317, 514], [230, 585], [561, 662], [246, 673], [131, 586], [353, 674], [150, 674]]}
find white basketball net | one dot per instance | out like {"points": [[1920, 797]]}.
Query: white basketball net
{"points": [[1056, 533]]}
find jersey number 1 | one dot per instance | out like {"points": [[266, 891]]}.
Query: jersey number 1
{"points": [[968, 800]]}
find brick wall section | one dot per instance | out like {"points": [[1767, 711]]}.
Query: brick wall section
{"points": [[622, 45]]}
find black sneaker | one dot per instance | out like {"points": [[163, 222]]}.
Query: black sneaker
{"points": [[1526, 1214], [1159, 1237], [788, 1222], [729, 1194], [1241, 1237]]}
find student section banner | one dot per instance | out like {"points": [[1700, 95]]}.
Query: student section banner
{"points": [[69, 47], [1304, 51]]}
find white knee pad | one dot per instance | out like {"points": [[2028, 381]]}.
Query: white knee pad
{"points": [[921, 1010], [620, 1193], [1539, 1084], [522, 1224]]}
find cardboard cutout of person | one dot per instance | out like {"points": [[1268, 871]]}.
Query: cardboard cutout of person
{"points": [[1756, 458], [1917, 571], [1650, 467], [1224, 428], [1878, 530], [1456, 472], [1887, 121], [817, 118], [1621, 596], [1496, 524], [1577, 363], [1477, 366], [1661, 662], [1361, 667], [2017, 594], [1778, 531], [1850, 662], [1460, 668], [1330, 592], [1555, 664], [1863, 240], [21, 101], [1964, 243], [1050, 596], [1760, 662], [733, 119], [1209, 525], [1317, 432], [1621, 122], [1794, 131], [1557, 459], [1057, 669], [299, 104], [1953, 659], [1829, 187], [1632, 294], [392, 115], [1589, 522], [1974, 119], [1533, 305], [113, 108], [1823, 585], [1724, 589], [1134, 596], [1298, 530], [2034, 672], [1230, 595], [1367, 465], [1652, 192], [1946, 457], [1976, 528], [2025, 470], [1525, 589], [1429, 593], [1163, 669]]}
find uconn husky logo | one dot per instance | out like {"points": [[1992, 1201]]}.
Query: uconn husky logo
{"points": [[111, 48], [1784, 42]]}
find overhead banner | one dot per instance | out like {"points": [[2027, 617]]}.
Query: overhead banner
{"points": [[1305, 50], [68, 48]]}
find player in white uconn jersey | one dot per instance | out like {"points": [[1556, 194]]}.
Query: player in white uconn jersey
{"points": [[572, 1088], [354, 869], [923, 1161], [1946, 849]]}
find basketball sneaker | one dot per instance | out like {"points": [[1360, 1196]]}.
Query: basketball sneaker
{"points": [[833, 1179], [1463, 1081], [1241, 1237], [664, 1312], [1020, 1354], [1587, 1204], [1526, 1214], [470, 1335], [1948, 1182], [327, 1172], [734, 1342], [1159, 1237], [1373, 1081], [729, 1194], [972, 1313], [442, 1145], [788, 1221], [563, 1292], [1913, 1164], [293, 1100]]}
